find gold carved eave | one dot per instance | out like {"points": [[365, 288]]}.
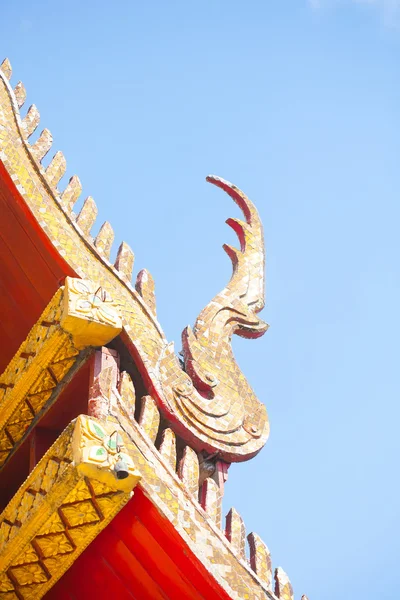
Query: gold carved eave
{"points": [[73, 492], [70, 496], [78, 317], [175, 495], [209, 402]]}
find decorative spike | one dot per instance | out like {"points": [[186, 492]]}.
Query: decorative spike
{"points": [[168, 447], [71, 193], [20, 94], [128, 395], [146, 289], [239, 227], [188, 470], [56, 169], [124, 261], [283, 587], [260, 559], [233, 253], [87, 216], [235, 532], [6, 68], [104, 240], [42, 145], [149, 418], [31, 120], [211, 500]]}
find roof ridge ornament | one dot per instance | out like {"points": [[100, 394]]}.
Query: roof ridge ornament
{"points": [[234, 310], [54, 173], [207, 400], [211, 394]]}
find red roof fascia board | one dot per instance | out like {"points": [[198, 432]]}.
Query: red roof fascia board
{"points": [[138, 556]]}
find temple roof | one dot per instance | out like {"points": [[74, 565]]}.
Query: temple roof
{"points": [[96, 407]]}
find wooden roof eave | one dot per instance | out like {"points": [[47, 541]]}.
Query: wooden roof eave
{"points": [[198, 526], [55, 348], [68, 498], [68, 236]]}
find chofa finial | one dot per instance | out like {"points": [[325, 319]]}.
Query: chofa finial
{"points": [[211, 395]]}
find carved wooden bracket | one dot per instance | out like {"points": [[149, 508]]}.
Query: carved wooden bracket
{"points": [[70, 496], [78, 316]]}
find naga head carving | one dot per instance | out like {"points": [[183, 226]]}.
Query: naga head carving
{"points": [[235, 309], [211, 399]]}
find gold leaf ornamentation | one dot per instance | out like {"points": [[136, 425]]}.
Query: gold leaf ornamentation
{"points": [[78, 499], [222, 413], [54, 544], [90, 314], [212, 395], [28, 574]]}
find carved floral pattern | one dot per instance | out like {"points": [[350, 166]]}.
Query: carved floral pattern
{"points": [[36, 545], [94, 301]]}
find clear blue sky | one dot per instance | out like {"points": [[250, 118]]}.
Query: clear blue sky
{"points": [[298, 104]]}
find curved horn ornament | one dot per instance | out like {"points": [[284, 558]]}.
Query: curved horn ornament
{"points": [[207, 401], [211, 397]]}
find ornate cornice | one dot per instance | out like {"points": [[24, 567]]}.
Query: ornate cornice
{"points": [[172, 484], [208, 402], [79, 316], [70, 496]]}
